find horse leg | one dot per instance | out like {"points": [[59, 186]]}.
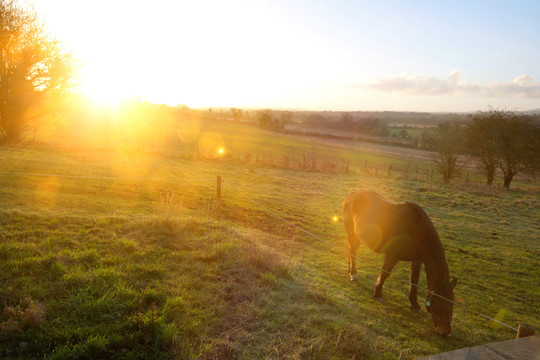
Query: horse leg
{"points": [[413, 286], [388, 265], [352, 248]]}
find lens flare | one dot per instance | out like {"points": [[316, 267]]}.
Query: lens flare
{"points": [[371, 235], [209, 145]]}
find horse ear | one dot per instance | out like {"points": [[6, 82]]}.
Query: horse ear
{"points": [[453, 282]]}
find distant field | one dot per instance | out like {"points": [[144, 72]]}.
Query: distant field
{"points": [[411, 131], [122, 255]]}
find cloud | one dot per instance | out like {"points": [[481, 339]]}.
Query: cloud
{"points": [[420, 85], [522, 86]]}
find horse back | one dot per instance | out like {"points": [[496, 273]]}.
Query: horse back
{"points": [[384, 226]]}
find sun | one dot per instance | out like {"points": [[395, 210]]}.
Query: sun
{"points": [[103, 86]]}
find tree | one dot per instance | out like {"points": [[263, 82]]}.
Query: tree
{"points": [[286, 117], [236, 114], [404, 134], [32, 66], [449, 144], [269, 122], [427, 139], [506, 140], [481, 141], [265, 119], [518, 146], [347, 121]]}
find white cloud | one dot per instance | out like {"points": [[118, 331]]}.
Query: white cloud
{"points": [[523, 86]]}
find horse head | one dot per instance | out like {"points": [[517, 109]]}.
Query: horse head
{"points": [[440, 304]]}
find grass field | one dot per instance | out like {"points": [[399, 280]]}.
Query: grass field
{"points": [[122, 255]]}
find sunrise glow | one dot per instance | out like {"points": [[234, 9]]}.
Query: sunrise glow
{"points": [[103, 89], [333, 56], [174, 178]]}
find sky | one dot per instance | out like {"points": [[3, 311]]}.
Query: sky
{"points": [[435, 56]]}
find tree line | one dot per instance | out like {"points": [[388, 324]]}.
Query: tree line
{"points": [[36, 73], [34, 70], [496, 139], [371, 125]]}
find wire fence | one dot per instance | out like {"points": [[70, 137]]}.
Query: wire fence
{"points": [[101, 177]]}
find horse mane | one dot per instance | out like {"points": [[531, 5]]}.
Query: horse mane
{"points": [[419, 213], [436, 266]]}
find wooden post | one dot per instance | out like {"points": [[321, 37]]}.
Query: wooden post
{"points": [[218, 197], [431, 175], [525, 330]]}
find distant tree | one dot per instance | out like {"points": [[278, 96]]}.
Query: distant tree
{"points": [[268, 121], [286, 117], [426, 139], [404, 134], [481, 141], [449, 137], [264, 120], [518, 146], [247, 115], [506, 140], [347, 121], [236, 114], [371, 126], [315, 119], [32, 66]]}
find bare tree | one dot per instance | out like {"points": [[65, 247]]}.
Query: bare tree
{"points": [[449, 145], [481, 141], [236, 114], [518, 146], [32, 66], [506, 140]]}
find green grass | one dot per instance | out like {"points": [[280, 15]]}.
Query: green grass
{"points": [[138, 266]]}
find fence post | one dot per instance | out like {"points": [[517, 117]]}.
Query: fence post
{"points": [[218, 197], [524, 330]]}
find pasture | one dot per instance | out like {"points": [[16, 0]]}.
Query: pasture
{"points": [[122, 256]]}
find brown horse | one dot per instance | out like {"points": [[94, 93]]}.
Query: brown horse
{"points": [[401, 232]]}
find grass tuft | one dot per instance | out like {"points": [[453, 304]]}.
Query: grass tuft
{"points": [[29, 314]]}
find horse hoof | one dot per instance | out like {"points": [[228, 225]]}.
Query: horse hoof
{"points": [[354, 278], [379, 299]]}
